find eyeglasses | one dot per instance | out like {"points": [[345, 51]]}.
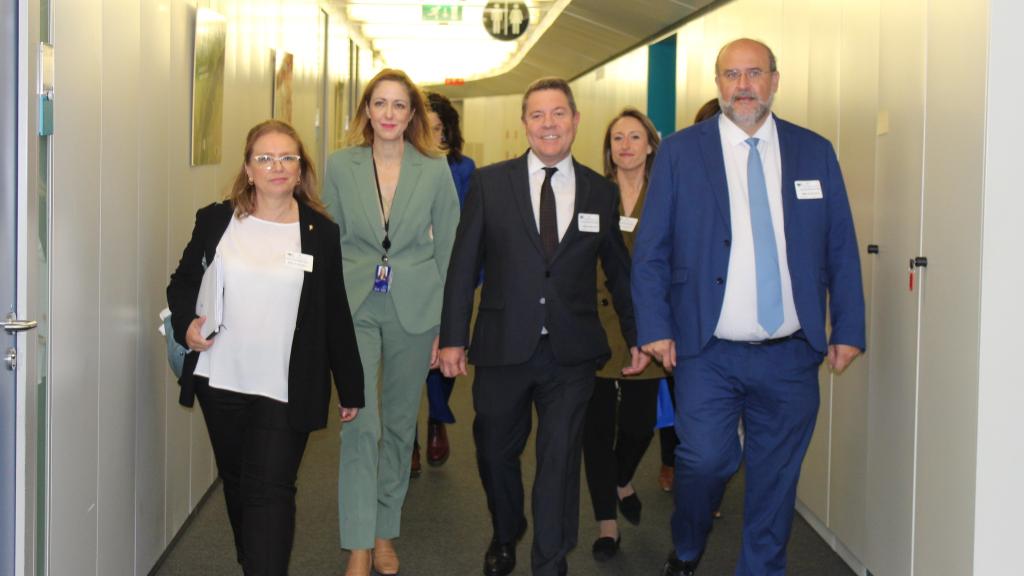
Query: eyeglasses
{"points": [[266, 161], [752, 74]]}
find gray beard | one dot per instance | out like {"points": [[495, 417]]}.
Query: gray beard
{"points": [[746, 120]]}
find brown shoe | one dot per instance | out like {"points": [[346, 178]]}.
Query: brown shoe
{"points": [[437, 443], [665, 478], [385, 559], [358, 563], [416, 468]]}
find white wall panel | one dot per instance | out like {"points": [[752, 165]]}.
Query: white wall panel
{"points": [[892, 407], [1000, 472], [601, 95], [75, 257], [154, 200], [855, 145], [118, 280], [951, 288]]}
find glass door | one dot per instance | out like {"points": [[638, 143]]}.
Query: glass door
{"points": [[9, 337]]}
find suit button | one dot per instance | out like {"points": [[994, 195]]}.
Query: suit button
{"points": [[541, 300], [719, 281], [727, 242], [547, 273]]}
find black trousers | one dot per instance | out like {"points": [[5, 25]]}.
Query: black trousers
{"points": [[258, 456], [504, 398], [619, 428]]}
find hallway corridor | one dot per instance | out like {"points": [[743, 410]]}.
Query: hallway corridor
{"points": [[446, 528]]}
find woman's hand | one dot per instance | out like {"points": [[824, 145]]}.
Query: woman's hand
{"points": [[347, 414], [435, 359], [194, 338]]}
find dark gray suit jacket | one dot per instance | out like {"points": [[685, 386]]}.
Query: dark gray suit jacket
{"points": [[522, 292]]}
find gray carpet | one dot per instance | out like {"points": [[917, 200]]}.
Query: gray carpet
{"points": [[446, 527]]}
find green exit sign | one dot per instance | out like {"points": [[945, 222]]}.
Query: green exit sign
{"points": [[441, 13]]}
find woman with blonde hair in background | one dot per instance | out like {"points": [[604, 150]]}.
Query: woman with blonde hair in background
{"points": [[392, 194], [622, 411]]}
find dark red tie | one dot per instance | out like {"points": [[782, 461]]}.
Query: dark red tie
{"points": [[548, 215]]}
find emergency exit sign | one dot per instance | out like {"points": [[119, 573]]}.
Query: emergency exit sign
{"points": [[441, 13]]}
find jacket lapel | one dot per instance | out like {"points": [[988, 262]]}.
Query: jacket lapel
{"points": [[308, 239], [224, 214], [412, 167], [714, 167], [366, 188], [519, 181], [582, 198], [788, 169]]}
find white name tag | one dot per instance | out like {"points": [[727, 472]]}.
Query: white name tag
{"points": [[589, 222], [627, 224], [299, 261], [808, 189]]}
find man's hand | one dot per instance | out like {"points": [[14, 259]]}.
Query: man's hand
{"points": [[434, 358], [840, 356], [453, 361], [663, 351], [638, 362]]}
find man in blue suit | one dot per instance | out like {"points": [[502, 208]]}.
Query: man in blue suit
{"points": [[746, 236]]}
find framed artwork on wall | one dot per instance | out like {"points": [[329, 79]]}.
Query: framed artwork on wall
{"points": [[284, 63], [208, 87]]}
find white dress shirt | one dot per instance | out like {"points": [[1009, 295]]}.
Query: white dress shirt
{"points": [[738, 320], [251, 353], [563, 183]]}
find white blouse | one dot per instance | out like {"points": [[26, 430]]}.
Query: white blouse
{"points": [[251, 352]]}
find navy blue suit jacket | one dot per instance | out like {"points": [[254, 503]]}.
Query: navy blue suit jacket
{"points": [[681, 257]]}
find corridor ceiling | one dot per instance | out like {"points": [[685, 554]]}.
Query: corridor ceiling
{"points": [[564, 38]]}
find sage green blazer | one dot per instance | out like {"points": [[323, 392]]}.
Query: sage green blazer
{"points": [[424, 216]]}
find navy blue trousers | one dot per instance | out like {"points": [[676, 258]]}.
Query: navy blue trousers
{"points": [[774, 387]]}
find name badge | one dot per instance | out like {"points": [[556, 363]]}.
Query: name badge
{"points": [[299, 261], [627, 224], [382, 279], [589, 222], [808, 190]]}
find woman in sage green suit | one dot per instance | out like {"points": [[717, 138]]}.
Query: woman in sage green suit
{"points": [[393, 196]]}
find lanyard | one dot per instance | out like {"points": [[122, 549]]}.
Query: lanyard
{"points": [[387, 219]]}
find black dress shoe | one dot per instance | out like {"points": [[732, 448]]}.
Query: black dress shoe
{"points": [[630, 508], [500, 559], [605, 548], [563, 567], [676, 567]]}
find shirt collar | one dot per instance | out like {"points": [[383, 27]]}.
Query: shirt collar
{"points": [[534, 165], [734, 135]]}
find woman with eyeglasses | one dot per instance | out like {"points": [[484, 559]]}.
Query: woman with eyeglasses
{"points": [[262, 372], [393, 196]]}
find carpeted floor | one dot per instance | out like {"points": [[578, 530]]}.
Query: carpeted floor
{"points": [[446, 527]]}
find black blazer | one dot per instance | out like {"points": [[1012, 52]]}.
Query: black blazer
{"points": [[324, 342], [522, 292]]}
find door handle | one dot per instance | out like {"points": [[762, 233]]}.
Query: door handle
{"points": [[12, 325]]}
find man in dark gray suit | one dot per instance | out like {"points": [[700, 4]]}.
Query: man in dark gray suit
{"points": [[537, 225]]}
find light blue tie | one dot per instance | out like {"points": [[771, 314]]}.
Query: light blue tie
{"points": [[766, 254]]}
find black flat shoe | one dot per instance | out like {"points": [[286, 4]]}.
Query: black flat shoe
{"points": [[630, 508], [605, 548]]}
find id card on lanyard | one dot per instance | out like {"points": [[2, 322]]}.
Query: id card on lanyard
{"points": [[382, 275]]}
